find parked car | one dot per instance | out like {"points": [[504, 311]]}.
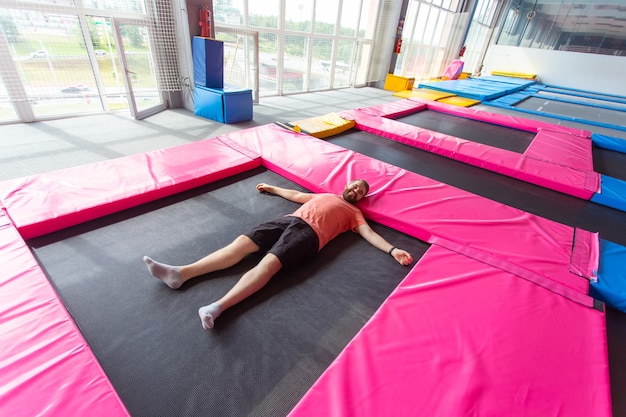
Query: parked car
{"points": [[75, 89], [100, 52], [42, 53]]}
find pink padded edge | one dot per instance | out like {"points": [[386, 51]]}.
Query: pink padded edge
{"points": [[424, 208], [395, 109], [47, 367], [564, 165], [460, 338], [563, 149], [52, 201]]}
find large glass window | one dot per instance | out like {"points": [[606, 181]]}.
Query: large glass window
{"points": [[432, 35], [314, 47], [590, 26], [67, 57]]}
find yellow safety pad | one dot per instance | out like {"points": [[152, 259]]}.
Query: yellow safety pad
{"points": [[398, 83], [323, 126], [515, 74], [459, 101], [424, 93]]}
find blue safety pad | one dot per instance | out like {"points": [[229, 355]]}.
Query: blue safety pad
{"points": [[609, 142], [476, 88], [509, 100], [612, 193], [611, 284]]}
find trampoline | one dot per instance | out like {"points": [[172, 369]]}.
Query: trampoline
{"points": [[543, 255], [593, 112], [264, 353]]}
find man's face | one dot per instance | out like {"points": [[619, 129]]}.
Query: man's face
{"points": [[354, 192]]}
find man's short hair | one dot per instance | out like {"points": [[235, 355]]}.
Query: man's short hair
{"points": [[367, 186]]}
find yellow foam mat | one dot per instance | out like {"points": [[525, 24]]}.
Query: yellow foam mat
{"points": [[459, 101], [323, 126], [423, 93], [514, 74]]}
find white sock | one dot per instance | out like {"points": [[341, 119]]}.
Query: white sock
{"points": [[208, 314], [169, 274]]}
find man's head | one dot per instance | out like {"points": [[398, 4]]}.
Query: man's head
{"points": [[355, 191]]}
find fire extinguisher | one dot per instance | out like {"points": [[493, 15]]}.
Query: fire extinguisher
{"points": [[205, 22], [398, 47]]}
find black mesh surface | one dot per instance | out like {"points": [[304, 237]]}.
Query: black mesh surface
{"points": [[481, 132], [581, 111], [263, 354]]}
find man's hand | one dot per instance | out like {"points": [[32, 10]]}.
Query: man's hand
{"points": [[265, 188], [403, 257], [286, 193]]}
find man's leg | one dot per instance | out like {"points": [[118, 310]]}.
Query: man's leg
{"points": [[248, 284], [175, 276]]}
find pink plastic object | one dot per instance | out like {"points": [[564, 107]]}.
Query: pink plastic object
{"points": [[454, 70], [47, 367], [44, 203], [459, 338]]}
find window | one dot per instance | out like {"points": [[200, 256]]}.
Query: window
{"points": [[589, 26]]}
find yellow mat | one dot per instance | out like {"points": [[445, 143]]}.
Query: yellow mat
{"points": [[323, 126], [459, 101], [423, 93], [515, 74]]}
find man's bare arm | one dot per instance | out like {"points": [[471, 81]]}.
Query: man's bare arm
{"points": [[376, 240], [286, 193]]}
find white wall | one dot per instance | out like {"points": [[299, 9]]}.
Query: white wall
{"points": [[590, 72]]}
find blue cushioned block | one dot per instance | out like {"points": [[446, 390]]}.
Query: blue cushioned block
{"points": [[226, 105], [609, 142], [208, 62], [611, 284], [612, 193], [208, 103]]}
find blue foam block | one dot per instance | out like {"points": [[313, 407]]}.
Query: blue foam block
{"points": [[208, 62], [611, 284], [609, 142], [226, 105], [612, 193]]}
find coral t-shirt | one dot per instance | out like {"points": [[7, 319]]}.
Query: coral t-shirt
{"points": [[329, 215]]}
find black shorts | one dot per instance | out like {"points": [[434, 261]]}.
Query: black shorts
{"points": [[290, 238]]}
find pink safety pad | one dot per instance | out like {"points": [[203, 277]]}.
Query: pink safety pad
{"points": [[52, 201], [557, 158], [434, 212], [47, 367], [461, 338]]}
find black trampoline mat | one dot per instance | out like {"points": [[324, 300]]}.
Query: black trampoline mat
{"points": [[609, 162], [583, 98], [581, 111], [263, 354], [501, 137]]}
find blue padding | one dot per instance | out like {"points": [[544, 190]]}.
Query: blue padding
{"points": [[510, 99], [609, 142], [208, 62], [226, 105], [612, 193], [611, 285], [475, 88]]}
